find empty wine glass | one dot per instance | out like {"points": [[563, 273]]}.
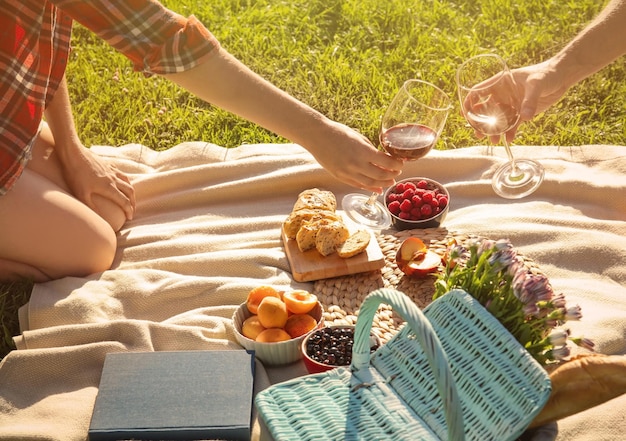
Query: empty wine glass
{"points": [[409, 129], [490, 102]]}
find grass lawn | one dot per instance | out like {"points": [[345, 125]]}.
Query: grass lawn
{"points": [[346, 58]]}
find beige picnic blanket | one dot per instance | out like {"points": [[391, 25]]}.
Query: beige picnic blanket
{"points": [[207, 230]]}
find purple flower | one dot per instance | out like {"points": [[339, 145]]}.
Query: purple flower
{"points": [[483, 246], [559, 337], [502, 258], [558, 301], [584, 343], [534, 288], [560, 353], [573, 313]]}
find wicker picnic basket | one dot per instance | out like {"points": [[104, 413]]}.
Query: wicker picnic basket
{"points": [[452, 372]]}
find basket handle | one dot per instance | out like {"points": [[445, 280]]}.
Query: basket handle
{"points": [[427, 338]]}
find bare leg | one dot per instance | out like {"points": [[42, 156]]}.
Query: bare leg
{"points": [[46, 233]]}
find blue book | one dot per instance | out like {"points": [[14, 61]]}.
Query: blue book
{"points": [[179, 395]]}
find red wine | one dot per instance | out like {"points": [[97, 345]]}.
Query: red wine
{"points": [[492, 118], [408, 141]]}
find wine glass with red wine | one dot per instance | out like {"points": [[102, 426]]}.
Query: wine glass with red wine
{"points": [[490, 102], [409, 129]]}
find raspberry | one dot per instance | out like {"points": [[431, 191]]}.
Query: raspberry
{"points": [[422, 184], [404, 215], [394, 207], [416, 213], [400, 187], [428, 196], [410, 185], [406, 205], [426, 210], [434, 203], [416, 199], [408, 193], [443, 200]]}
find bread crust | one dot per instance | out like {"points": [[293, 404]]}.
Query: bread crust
{"points": [[582, 383], [314, 198]]}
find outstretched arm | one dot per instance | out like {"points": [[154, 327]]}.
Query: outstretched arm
{"points": [[601, 42], [225, 82]]}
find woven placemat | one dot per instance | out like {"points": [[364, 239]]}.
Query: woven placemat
{"points": [[342, 296]]}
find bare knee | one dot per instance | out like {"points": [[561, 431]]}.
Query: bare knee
{"points": [[91, 254], [110, 212]]}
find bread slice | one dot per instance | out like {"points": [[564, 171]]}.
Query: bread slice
{"points": [[305, 237], [330, 236], [296, 219], [316, 199], [356, 244]]}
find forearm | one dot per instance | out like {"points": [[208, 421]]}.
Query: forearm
{"points": [[596, 46], [225, 82], [59, 117]]}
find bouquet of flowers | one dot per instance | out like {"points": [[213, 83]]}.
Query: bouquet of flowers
{"points": [[524, 302]]}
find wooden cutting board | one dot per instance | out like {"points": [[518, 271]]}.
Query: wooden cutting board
{"points": [[311, 265]]}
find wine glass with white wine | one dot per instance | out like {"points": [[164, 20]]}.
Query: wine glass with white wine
{"points": [[490, 102], [409, 130]]}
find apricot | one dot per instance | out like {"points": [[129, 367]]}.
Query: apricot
{"points": [[272, 335], [299, 301], [272, 312], [299, 324], [256, 295], [252, 327]]}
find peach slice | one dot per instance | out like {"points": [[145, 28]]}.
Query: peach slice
{"points": [[415, 259], [256, 295], [299, 301]]}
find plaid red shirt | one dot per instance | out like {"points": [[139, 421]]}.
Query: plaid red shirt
{"points": [[34, 46]]}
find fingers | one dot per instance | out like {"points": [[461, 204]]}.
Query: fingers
{"points": [[125, 186], [122, 193], [371, 177]]}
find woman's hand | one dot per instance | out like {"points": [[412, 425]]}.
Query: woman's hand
{"points": [[91, 178], [350, 157]]}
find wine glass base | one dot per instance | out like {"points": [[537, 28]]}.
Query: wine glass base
{"points": [[357, 208], [528, 177]]}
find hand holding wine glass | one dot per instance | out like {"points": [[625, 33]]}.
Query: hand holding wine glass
{"points": [[409, 129], [490, 103]]}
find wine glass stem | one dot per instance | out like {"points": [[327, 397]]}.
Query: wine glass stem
{"points": [[514, 170], [370, 204]]}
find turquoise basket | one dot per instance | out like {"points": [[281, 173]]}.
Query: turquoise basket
{"points": [[453, 372]]}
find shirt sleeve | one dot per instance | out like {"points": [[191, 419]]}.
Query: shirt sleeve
{"points": [[155, 39]]}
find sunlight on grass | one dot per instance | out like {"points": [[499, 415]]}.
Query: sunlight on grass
{"points": [[346, 58]]}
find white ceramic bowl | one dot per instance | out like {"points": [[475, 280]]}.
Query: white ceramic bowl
{"points": [[432, 221], [274, 354]]}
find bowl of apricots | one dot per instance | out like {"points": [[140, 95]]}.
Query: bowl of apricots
{"points": [[273, 323]]}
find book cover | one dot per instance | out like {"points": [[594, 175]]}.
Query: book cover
{"points": [[179, 395]]}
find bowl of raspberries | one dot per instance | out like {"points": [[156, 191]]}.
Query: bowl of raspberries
{"points": [[417, 203]]}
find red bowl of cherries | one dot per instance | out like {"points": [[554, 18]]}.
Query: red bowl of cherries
{"points": [[417, 203]]}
